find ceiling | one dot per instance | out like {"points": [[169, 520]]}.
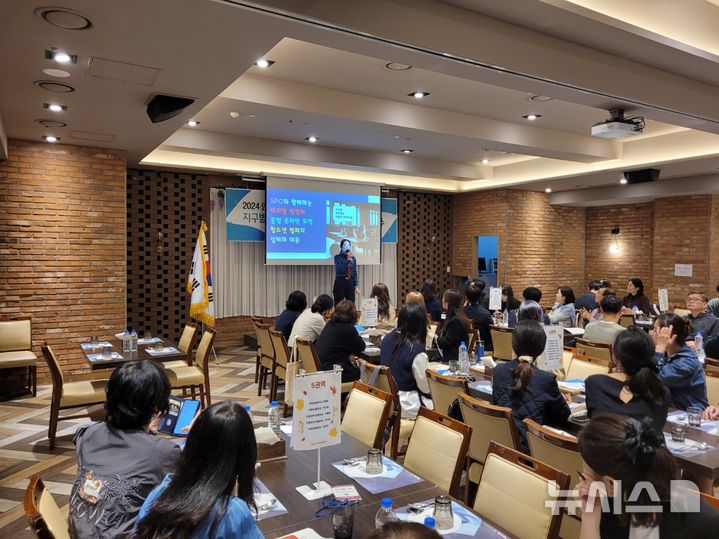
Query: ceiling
{"points": [[482, 63]]}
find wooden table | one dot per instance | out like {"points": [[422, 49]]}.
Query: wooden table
{"points": [[129, 356], [300, 468]]}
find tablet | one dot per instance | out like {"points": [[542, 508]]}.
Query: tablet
{"points": [[188, 410]]}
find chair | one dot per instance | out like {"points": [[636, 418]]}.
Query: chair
{"points": [[66, 395], [489, 423], [444, 389], [627, 320], [257, 320], [310, 361], [513, 490], [267, 356], [366, 414], [437, 449], [711, 364], [196, 376], [581, 367], [473, 339], [595, 350], [186, 345], [279, 367], [502, 341], [712, 381], [46, 520], [16, 348]]}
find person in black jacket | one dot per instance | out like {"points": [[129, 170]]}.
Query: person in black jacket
{"points": [[481, 317], [431, 303], [455, 329], [521, 386], [339, 341]]}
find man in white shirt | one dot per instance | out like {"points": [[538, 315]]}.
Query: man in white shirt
{"points": [[606, 329]]}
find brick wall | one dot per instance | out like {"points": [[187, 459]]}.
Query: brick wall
{"points": [[62, 260]]}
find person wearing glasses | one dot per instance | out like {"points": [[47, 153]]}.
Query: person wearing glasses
{"points": [[704, 322]]}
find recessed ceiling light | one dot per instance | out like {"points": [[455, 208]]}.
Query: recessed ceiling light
{"points": [[193, 123], [531, 117], [54, 107], [397, 137], [312, 139], [52, 86], [50, 138], [234, 114], [407, 150], [396, 66], [60, 56], [50, 123], [59, 73], [485, 161], [418, 94], [623, 181], [548, 190], [263, 63], [252, 116], [539, 98]]}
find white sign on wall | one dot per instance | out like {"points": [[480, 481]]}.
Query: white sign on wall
{"points": [[683, 270]]}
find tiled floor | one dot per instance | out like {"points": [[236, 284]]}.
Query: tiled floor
{"points": [[24, 448]]}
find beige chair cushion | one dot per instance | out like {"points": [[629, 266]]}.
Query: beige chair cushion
{"points": [[362, 416], [713, 390], [571, 526], [502, 341], [508, 490], [15, 335], [346, 387], [598, 352], [475, 472], [406, 426], [21, 358], [581, 370], [485, 428], [433, 451], [567, 356], [188, 333], [266, 362], [85, 392], [443, 395], [52, 516], [185, 376], [564, 460], [174, 364]]}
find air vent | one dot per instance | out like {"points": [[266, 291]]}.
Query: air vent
{"points": [[56, 87], [102, 68], [92, 137], [51, 123], [64, 18]]}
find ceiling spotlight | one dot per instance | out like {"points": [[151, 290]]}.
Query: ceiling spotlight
{"points": [[252, 116], [418, 94], [396, 66], [263, 63], [50, 138], [54, 107], [312, 139], [234, 114], [548, 190], [623, 181], [531, 117], [193, 123], [60, 57], [485, 161], [407, 150]]}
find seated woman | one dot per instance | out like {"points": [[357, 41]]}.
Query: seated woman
{"points": [[119, 461], [197, 499], [386, 312], [404, 353], [620, 452], [481, 317], [509, 308], [431, 302], [455, 329], [339, 340], [562, 313], [311, 322], [679, 367], [296, 303], [528, 391], [635, 298], [531, 310], [596, 314], [633, 389]]}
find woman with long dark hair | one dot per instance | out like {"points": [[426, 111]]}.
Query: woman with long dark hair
{"points": [[635, 297], [633, 388], [528, 391], [385, 310], [294, 306], [197, 499], [622, 453], [404, 353], [339, 342], [563, 313], [455, 329], [312, 321], [429, 292]]}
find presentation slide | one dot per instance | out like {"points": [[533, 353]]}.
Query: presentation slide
{"points": [[307, 219]]}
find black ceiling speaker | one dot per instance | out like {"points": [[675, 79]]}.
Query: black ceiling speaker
{"points": [[163, 107], [642, 176]]}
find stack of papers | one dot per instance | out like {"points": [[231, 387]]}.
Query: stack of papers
{"points": [[166, 350], [571, 386]]}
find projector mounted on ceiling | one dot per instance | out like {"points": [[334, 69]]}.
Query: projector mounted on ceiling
{"points": [[617, 126]]}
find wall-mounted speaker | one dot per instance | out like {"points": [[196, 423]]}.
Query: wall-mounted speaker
{"points": [[163, 107], [642, 176]]}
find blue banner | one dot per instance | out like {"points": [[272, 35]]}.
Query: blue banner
{"points": [[245, 214], [389, 220]]}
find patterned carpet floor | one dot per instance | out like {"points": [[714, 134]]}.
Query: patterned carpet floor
{"points": [[24, 447]]}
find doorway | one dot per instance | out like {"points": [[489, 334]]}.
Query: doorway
{"points": [[488, 259]]}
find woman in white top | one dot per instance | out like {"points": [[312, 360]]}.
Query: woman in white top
{"points": [[385, 310], [311, 322], [403, 351]]}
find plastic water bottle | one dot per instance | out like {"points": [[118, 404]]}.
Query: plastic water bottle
{"points": [[505, 319], [249, 411], [463, 360], [385, 514], [430, 522], [273, 418], [699, 346], [479, 351], [133, 340], [126, 341]]}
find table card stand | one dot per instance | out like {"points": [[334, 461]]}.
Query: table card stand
{"points": [[317, 398]]}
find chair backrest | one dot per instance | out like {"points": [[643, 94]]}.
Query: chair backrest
{"points": [[366, 414], [187, 339], [473, 338], [380, 376], [444, 389], [437, 449], [307, 355], [502, 342], [264, 340], [55, 370], [627, 320], [489, 423], [257, 319], [16, 334], [282, 351], [595, 350], [204, 349], [567, 356], [44, 515], [712, 380], [682, 312], [583, 366], [711, 363], [558, 450], [514, 484], [431, 332]]}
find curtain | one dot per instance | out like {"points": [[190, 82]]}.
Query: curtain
{"points": [[243, 285]]}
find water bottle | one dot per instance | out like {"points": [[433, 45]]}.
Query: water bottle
{"points": [[133, 340], [699, 346], [463, 360], [385, 514], [126, 341], [430, 522], [505, 320], [479, 351], [249, 411], [273, 418]]}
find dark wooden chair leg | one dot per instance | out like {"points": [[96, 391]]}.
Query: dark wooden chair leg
{"points": [[261, 381], [257, 369], [34, 381], [207, 392], [54, 418], [202, 395]]}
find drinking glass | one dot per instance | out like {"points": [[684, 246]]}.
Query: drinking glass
{"points": [[107, 351], [94, 341], [444, 519], [343, 520], [679, 433], [694, 416], [159, 346], [374, 462], [148, 335]]}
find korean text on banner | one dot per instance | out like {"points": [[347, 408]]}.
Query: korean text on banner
{"points": [[389, 220], [245, 214], [316, 415]]}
